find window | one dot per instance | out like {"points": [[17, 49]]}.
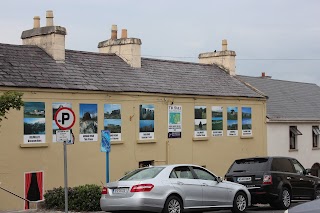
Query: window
{"points": [[203, 174], [146, 163], [315, 136], [181, 172], [143, 173], [281, 165], [298, 167], [293, 133]]}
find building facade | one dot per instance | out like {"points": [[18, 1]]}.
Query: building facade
{"points": [[158, 112]]}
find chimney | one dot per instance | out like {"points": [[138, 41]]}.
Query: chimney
{"points": [[226, 59], [263, 74], [129, 49], [50, 38]]}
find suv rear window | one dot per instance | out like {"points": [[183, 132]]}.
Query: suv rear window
{"points": [[249, 164]]}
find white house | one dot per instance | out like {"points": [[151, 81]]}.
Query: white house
{"points": [[293, 119]]}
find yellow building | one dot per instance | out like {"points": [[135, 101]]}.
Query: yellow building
{"points": [[158, 112]]}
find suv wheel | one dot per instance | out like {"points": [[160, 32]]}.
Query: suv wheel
{"points": [[173, 205], [285, 197], [317, 193], [239, 203]]}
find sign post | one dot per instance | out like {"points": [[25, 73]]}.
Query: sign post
{"points": [[106, 147], [65, 119]]}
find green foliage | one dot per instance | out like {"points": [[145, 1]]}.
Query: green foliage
{"points": [[80, 198], [8, 100]]}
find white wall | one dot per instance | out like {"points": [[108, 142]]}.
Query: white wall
{"points": [[278, 143]]}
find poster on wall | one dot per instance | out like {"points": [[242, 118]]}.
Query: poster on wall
{"points": [[200, 121], [217, 120], [174, 121], [146, 122], [112, 120], [246, 121], [88, 122], [34, 122], [55, 107], [232, 121]]}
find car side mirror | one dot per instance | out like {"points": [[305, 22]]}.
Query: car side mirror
{"points": [[219, 179], [308, 171]]}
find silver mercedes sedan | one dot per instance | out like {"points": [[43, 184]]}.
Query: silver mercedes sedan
{"points": [[173, 189]]}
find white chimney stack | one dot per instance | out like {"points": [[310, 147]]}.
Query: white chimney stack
{"points": [[226, 59], [50, 38]]}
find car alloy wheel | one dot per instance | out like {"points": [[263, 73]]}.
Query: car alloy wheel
{"points": [[286, 198], [173, 205], [239, 203], [317, 194]]}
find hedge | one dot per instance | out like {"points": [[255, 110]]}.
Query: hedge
{"points": [[80, 198]]}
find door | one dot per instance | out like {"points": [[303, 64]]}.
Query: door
{"points": [[302, 183], [187, 185], [215, 193]]}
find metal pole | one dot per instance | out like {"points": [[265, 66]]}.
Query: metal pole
{"points": [[65, 177], [107, 167]]}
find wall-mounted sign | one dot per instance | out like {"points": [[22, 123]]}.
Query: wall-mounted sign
{"points": [[112, 120], [246, 121], [232, 121], [174, 121], [88, 122], [217, 120], [146, 122], [34, 122], [200, 121]]}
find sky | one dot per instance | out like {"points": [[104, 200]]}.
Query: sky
{"points": [[278, 37]]}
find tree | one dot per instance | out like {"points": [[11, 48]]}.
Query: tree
{"points": [[8, 100]]}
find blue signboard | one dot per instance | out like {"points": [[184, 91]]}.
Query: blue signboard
{"points": [[105, 141]]}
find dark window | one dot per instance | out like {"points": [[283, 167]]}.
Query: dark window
{"points": [[315, 136], [181, 172], [282, 165], [146, 163], [293, 133], [298, 167], [250, 164]]}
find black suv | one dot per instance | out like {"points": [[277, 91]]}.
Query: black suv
{"points": [[275, 180]]}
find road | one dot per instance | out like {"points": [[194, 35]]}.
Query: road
{"points": [[259, 209]]}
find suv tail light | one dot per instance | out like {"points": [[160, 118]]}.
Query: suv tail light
{"points": [[267, 180], [142, 188], [104, 191]]}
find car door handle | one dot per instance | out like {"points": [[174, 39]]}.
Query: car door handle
{"points": [[204, 184], [301, 178], [288, 178], [180, 183]]}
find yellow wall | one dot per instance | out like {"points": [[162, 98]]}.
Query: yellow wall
{"points": [[86, 164]]}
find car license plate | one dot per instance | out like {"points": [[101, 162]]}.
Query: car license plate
{"points": [[244, 179], [250, 186], [120, 191]]}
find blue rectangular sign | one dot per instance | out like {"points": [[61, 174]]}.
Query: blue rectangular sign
{"points": [[105, 141]]}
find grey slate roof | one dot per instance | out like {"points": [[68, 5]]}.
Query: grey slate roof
{"points": [[30, 66], [288, 100]]}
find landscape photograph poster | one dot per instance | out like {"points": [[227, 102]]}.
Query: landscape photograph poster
{"points": [[112, 120], [34, 122], [232, 121], [246, 121], [174, 121], [217, 120], [88, 122], [200, 121], [55, 107], [146, 122]]}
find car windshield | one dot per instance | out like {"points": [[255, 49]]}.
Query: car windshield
{"points": [[250, 164], [143, 173]]}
